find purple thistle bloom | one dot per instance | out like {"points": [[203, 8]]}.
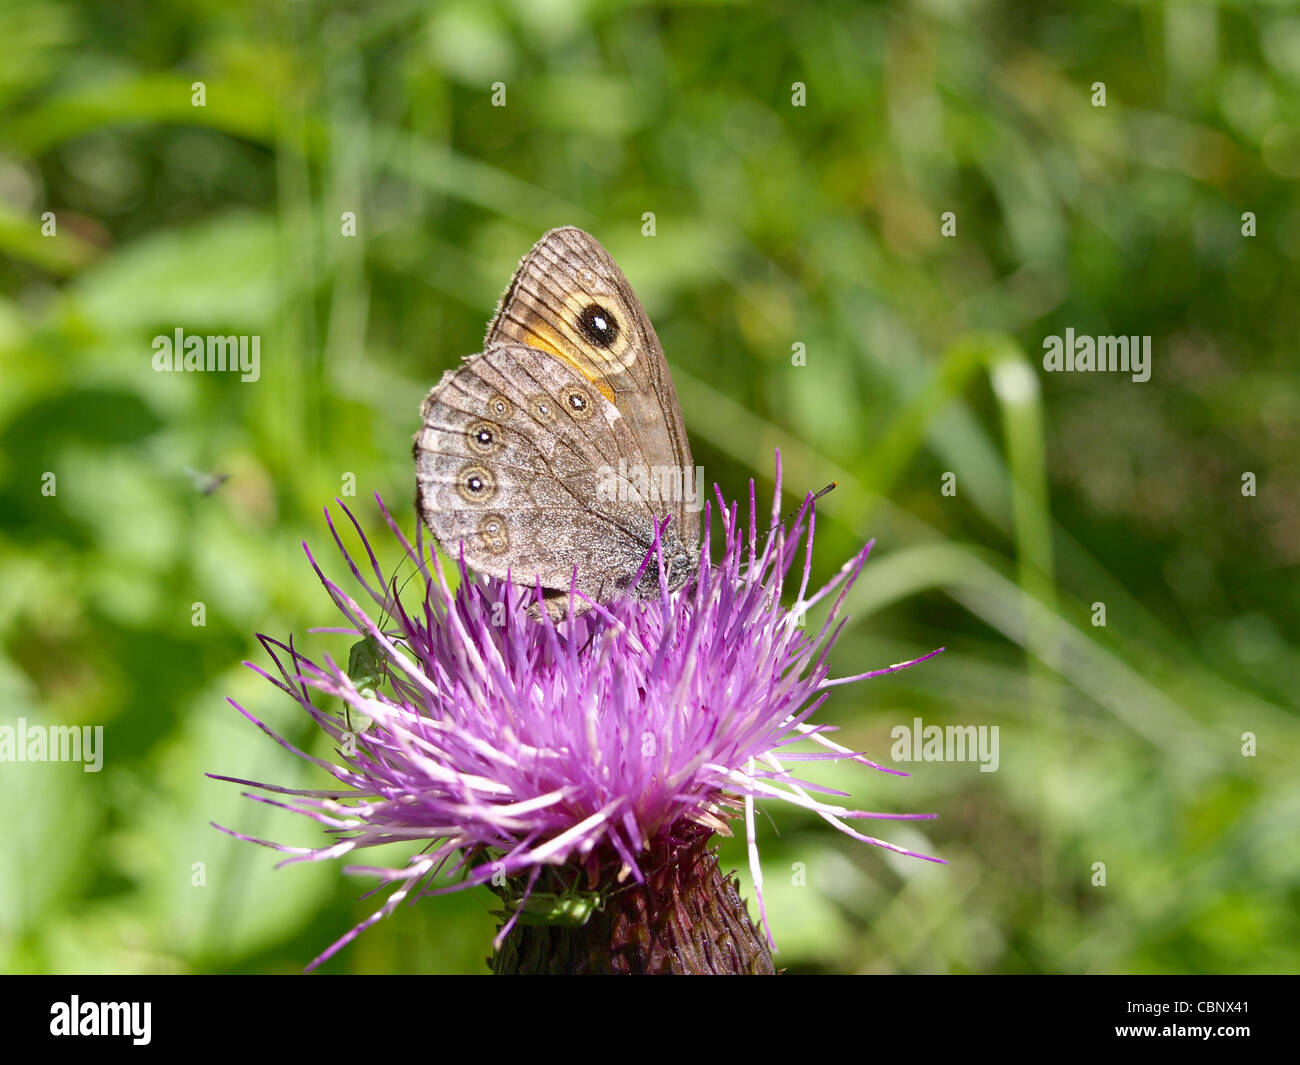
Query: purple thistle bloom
{"points": [[513, 743]]}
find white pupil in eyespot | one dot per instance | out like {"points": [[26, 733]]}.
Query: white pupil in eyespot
{"points": [[599, 322]]}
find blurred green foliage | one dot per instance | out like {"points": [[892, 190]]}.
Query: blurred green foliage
{"points": [[776, 225]]}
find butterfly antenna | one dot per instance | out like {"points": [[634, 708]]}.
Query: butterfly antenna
{"points": [[816, 496]]}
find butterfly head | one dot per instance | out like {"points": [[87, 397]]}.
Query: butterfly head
{"points": [[681, 563]]}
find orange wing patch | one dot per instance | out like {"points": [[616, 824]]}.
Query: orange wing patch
{"points": [[544, 338]]}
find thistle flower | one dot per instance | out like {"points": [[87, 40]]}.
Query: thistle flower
{"points": [[580, 769]]}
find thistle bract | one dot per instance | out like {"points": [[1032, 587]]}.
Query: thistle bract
{"points": [[512, 744]]}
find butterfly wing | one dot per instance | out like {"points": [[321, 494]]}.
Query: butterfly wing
{"points": [[517, 462], [568, 298]]}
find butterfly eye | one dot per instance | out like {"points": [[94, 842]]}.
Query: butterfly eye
{"points": [[542, 407], [500, 406], [577, 402], [484, 437], [598, 325], [476, 485], [492, 534]]}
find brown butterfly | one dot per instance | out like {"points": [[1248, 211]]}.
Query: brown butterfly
{"points": [[561, 444]]}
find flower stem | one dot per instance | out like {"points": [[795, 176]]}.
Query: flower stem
{"points": [[686, 918]]}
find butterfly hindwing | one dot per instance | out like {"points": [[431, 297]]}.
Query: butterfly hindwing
{"points": [[515, 460]]}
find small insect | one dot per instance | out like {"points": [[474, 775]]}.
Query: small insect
{"points": [[570, 909], [207, 483], [366, 670], [366, 665]]}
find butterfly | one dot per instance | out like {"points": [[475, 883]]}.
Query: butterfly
{"points": [[561, 444]]}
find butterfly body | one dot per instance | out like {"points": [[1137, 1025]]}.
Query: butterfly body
{"points": [[561, 444]]}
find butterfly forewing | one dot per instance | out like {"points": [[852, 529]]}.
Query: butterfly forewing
{"points": [[569, 298]]}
